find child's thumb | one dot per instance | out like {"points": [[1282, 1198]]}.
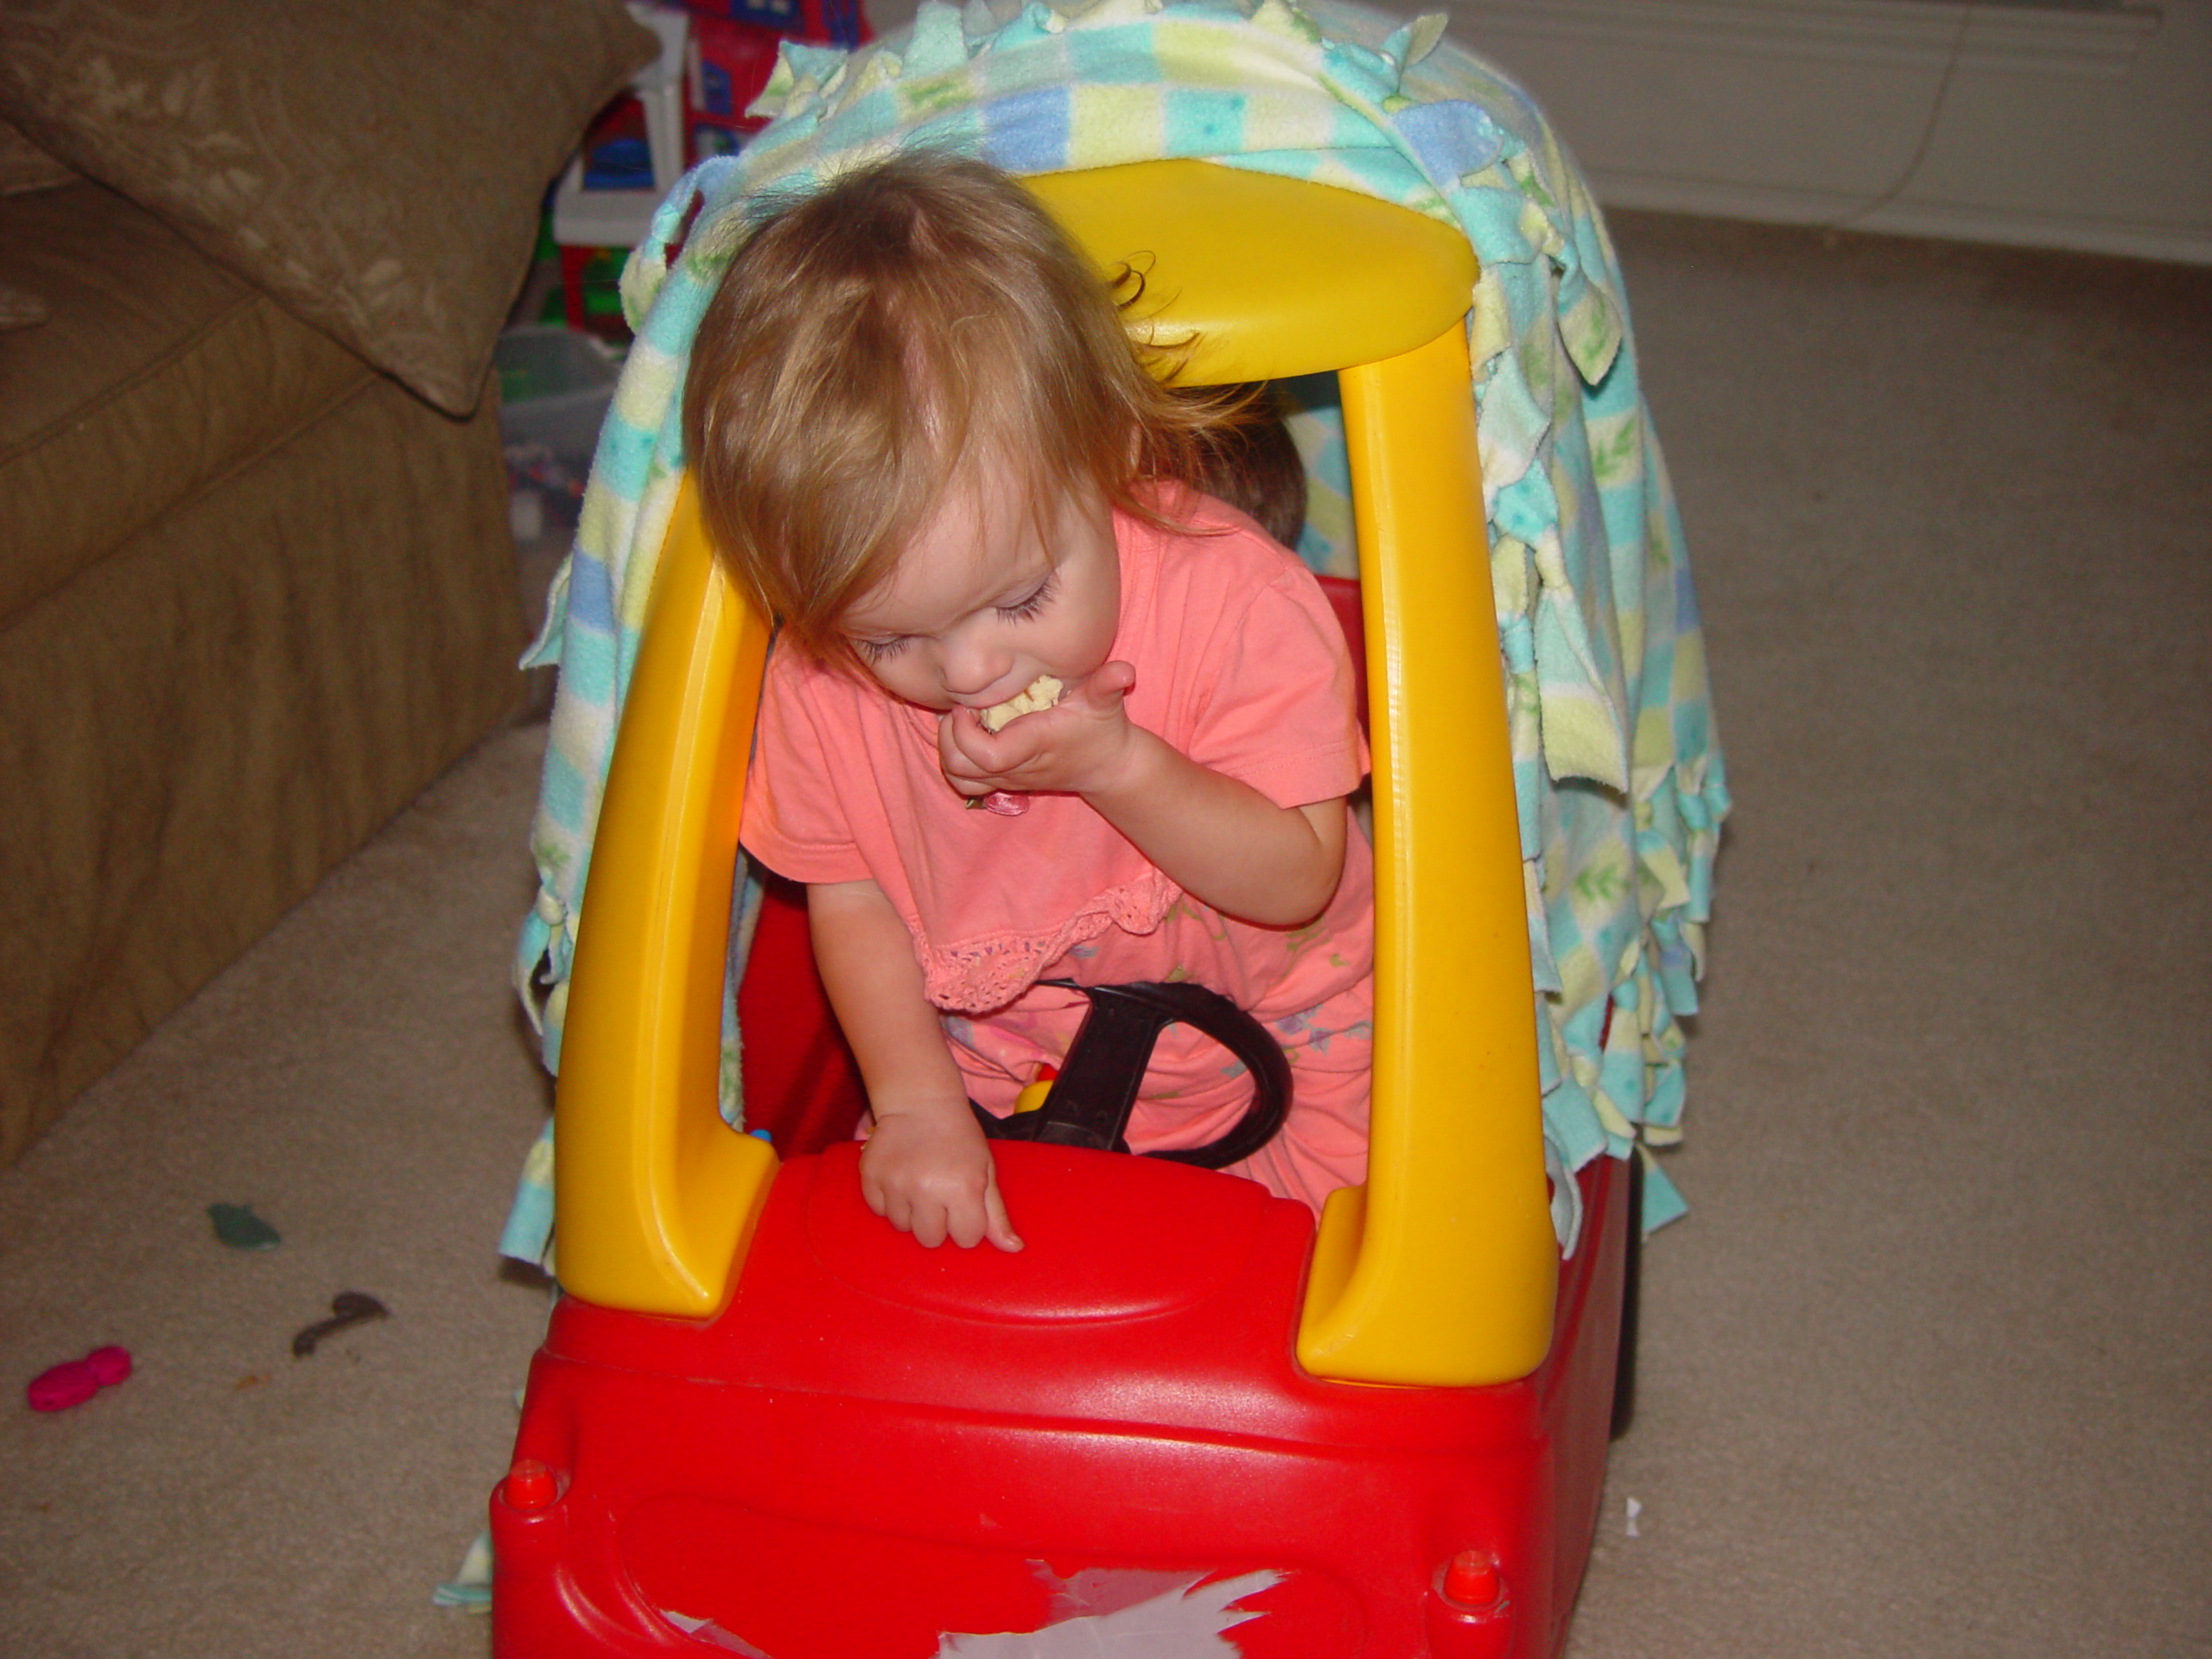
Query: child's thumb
{"points": [[1110, 684]]}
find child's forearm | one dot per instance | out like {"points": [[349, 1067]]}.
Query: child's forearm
{"points": [[926, 1169], [868, 966], [1221, 840]]}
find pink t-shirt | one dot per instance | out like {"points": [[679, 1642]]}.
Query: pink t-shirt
{"points": [[1242, 666]]}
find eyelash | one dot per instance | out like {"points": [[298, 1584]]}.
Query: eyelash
{"points": [[1030, 607], [879, 650]]}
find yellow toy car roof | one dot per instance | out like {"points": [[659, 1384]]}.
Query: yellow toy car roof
{"points": [[1268, 277]]}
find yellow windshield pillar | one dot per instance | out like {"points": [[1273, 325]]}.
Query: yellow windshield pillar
{"points": [[655, 1196], [1442, 1268]]}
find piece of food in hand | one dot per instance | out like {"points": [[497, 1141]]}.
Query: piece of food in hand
{"points": [[1042, 693]]}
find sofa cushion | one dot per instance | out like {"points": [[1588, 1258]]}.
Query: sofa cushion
{"points": [[377, 168], [155, 372], [24, 166], [20, 308]]}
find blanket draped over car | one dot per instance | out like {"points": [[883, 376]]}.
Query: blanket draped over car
{"points": [[1617, 770]]}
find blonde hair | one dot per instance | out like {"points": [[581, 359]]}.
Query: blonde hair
{"points": [[868, 339]]}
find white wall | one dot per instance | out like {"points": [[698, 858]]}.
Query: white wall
{"points": [[2070, 128]]}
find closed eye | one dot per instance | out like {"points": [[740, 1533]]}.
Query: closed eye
{"points": [[879, 650], [1022, 610]]}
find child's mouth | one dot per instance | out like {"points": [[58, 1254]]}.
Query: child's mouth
{"points": [[1040, 694]]}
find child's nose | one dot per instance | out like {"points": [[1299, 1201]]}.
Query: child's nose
{"points": [[973, 665]]}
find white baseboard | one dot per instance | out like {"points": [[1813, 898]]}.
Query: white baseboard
{"points": [[2100, 43], [2189, 244]]}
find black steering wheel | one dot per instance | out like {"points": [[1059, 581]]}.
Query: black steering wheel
{"points": [[1090, 1100]]}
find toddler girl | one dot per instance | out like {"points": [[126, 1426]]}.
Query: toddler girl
{"points": [[925, 445]]}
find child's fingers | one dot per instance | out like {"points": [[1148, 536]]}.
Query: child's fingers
{"points": [[928, 1223], [975, 762], [964, 769], [966, 1225], [996, 1227]]}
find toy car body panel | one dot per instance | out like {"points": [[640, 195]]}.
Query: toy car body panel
{"points": [[875, 1446]]}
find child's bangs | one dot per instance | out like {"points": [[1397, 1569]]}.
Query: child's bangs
{"points": [[915, 324], [921, 403]]}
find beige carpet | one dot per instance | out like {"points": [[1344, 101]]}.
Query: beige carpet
{"points": [[1926, 1369]]}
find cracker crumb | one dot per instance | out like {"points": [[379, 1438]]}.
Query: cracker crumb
{"points": [[1042, 693]]}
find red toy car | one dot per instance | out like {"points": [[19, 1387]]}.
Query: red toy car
{"points": [[1185, 1419]]}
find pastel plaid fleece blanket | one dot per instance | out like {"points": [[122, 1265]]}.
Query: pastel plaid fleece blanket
{"points": [[1619, 777]]}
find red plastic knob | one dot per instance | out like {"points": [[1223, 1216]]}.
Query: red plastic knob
{"points": [[529, 1485], [1472, 1580]]}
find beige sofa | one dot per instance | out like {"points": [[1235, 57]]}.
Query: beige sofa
{"points": [[256, 585]]}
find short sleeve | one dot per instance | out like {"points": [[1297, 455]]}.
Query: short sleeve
{"points": [[793, 820], [1278, 710]]}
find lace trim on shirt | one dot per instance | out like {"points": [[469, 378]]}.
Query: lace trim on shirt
{"points": [[980, 974]]}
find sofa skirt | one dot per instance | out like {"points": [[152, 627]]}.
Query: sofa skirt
{"points": [[202, 721]]}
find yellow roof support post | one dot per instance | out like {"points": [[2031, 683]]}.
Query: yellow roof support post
{"points": [[1442, 1268], [654, 1196]]}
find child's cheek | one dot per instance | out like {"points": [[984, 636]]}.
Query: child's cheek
{"points": [[1098, 644], [908, 677]]}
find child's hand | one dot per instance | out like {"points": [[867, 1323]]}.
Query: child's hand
{"points": [[1083, 742], [932, 1176]]}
